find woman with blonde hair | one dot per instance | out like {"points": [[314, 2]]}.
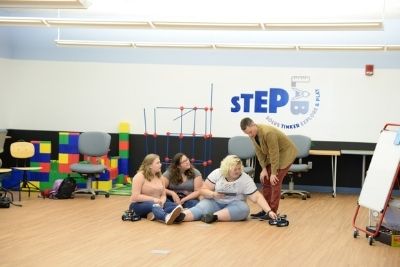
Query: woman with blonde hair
{"points": [[225, 192], [148, 193]]}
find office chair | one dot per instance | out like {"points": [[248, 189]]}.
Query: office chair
{"points": [[242, 147], [92, 144], [23, 151], [303, 144]]}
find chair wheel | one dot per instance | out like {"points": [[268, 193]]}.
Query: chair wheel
{"points": [[107, 195], [92, 197]]}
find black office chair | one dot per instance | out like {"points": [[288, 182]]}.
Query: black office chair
{"points": [[303, 144], [92, 144], [242, 147]]}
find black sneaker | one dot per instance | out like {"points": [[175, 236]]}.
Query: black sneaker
{"points": [[209, 218], [180, 218], [262, 215]]}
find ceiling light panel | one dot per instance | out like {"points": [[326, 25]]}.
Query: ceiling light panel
{"points": [[45, 4], [98, 23], [206, 25]]}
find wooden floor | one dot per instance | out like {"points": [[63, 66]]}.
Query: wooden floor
{"points": [[83, 232]]}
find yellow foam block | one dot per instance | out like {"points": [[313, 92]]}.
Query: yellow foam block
{"points": [[114, 163], [62, 158], [124, 127], [102, 185], [45, 148]]}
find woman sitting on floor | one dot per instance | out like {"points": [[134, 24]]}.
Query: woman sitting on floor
{"points": [[149, 196], [225, 191], [183, 181]]}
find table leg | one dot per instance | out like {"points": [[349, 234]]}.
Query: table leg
{"points": [[334, 164], [363, 170]]}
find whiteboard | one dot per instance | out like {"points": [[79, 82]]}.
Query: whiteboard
{"points": [[381, 172]]}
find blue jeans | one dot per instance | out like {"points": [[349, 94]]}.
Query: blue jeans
{"points": [[190, 203], [144, 208], [238, 209]]}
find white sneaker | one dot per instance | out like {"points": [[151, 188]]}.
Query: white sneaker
{"points": [[170, 218]]}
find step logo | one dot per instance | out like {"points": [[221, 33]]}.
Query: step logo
{"points": [[284, 108]]}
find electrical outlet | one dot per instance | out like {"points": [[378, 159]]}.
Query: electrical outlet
{"points": [[309, 164]]}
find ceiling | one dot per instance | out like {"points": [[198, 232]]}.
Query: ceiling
{"points": [[251, 24]]}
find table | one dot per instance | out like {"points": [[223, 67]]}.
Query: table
{"points": [[4, 170], [334, 154], [364, 154]]}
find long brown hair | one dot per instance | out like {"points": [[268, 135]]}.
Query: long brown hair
{"points": [[175, 174], [146, 164]]}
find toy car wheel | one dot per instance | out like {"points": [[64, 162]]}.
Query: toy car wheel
{"points": [[282, 197], [272, 222], [92, 197], [282, 223], [123, 217], [304, 197], [370, 240], [355, 233], [107, 195], [135, 218]]}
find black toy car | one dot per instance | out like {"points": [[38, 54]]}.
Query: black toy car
{"points": [[130, 215], [281, 221]]}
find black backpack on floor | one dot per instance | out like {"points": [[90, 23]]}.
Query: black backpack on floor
{"points": [[67, 187]]}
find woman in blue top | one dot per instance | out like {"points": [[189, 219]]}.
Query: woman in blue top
{"points": [[182, 181], [225, 192]]}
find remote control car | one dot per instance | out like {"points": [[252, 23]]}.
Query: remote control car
{"points": [[130, 215], [281, 221]]}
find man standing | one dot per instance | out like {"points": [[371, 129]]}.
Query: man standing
{"points": [[275, 153]]}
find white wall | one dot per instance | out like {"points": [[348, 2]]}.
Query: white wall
{"points": [[76, 96]]}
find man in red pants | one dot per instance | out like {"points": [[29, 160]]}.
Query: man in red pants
{"points": [[275, 153]]}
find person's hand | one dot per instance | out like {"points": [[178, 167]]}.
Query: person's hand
{"points": [[158, 201], [263, 175], [272, 215], [183, 200], [273, 179], [176, 198], [217, 195]]}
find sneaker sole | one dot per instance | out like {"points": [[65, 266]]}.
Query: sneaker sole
{"points": [[150, 216], [174, 213]]}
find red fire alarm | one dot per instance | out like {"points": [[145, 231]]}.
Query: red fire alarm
{"points": [[369, 70]]}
